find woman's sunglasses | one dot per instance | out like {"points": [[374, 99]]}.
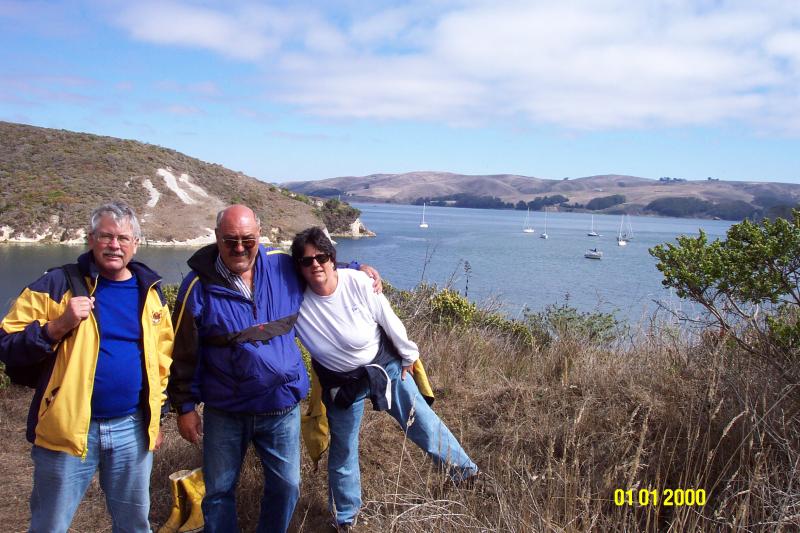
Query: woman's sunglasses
{"points": [[308, 260]]}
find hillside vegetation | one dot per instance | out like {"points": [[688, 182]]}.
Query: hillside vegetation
{"points": [[50, 180], [579, 423], [606, 193]]}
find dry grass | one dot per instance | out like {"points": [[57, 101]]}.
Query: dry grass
{"points": [[556, 429]]}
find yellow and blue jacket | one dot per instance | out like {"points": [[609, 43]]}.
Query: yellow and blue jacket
{"points": [[61, 409]]}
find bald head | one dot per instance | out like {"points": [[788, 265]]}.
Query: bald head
{"points": [[238, 231], [237, 212]]}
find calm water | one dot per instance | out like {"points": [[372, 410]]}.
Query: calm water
{"points": [[506, 264]]}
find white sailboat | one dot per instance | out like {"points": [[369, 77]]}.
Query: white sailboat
{"points": [[621, 240], [592, 232], [593, 253], [526, 226], [544, 233], [629, 231], [422, 223]]}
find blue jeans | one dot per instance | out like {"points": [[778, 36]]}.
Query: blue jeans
{"points": [[117, 447], [277, 442], [426, 430]]}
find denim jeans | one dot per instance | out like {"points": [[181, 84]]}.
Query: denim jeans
{"points": [[425, 429], [277, 442], [117, 447]]}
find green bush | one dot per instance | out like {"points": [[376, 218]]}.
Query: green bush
{"points": [[559, 321], [449, 307], [748, 284]]}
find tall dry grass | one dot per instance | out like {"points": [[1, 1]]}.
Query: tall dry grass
{"points": [[557, 427]]}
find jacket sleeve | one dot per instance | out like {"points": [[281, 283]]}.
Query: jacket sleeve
{"points": [[23, 340], [184, 352]]}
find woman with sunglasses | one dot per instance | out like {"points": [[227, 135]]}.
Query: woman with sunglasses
{"points": [[359, 349]]}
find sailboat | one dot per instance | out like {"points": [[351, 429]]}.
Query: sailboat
{"points": [[526, 226], [592, 232], [629, 231], [593, 253], [621, 241], [422, 223], [544, 233]]}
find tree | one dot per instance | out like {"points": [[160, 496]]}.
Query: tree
{"points": [[748, 284]]}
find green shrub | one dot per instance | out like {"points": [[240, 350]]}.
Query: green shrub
{"points": [[559, 321], [449, 307], [170, 294]]}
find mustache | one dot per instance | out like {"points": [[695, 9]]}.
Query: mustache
{"points": [[112, 254], [243, 253]]}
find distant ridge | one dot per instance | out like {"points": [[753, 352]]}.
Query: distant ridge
{"points": [[666, 196], [51, 179]]}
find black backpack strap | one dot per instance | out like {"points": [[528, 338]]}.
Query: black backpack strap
{"points": [[77, 283]]}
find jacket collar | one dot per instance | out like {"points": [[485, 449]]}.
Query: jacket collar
{"points": [[145, 276], [203, 262]]}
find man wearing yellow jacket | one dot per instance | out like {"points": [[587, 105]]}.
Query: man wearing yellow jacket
{"points": [[106, 360]]}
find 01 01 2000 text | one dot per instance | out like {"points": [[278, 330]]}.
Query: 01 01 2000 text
{"points": [[665, 497]]}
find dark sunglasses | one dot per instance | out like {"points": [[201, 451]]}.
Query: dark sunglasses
{"points": [[234, 243], [308, 260]]}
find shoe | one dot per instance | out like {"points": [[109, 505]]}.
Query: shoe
{"points": [[477, 482]]}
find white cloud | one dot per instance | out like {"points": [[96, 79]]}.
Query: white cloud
{"points": [[232, 34], [599, 64]]}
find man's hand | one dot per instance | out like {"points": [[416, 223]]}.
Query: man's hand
{"points": [[159, 439], [407, 370], [377, 286], [78, 309], [190, 426]]}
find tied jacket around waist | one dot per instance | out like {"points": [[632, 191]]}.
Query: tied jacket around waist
{"points": [[61, 409], [241, 377]]}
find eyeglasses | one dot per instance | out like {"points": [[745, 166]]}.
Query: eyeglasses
{"points": [[308, 260], [234, 243], [108, 238]]}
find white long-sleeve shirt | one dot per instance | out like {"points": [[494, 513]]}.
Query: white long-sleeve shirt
{"points": [[341, 330]]}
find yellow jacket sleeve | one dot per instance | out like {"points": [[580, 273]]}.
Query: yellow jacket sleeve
{"points": [[421, 379]]}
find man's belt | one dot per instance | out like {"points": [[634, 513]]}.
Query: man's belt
{"points": [[255, 334]]}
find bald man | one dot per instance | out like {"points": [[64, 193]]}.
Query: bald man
{"points": [[235, 352]]}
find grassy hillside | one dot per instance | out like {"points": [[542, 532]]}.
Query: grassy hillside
{"points": [[51, 179], [560, 411]]}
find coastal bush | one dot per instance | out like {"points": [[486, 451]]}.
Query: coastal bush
{"points": [[338, 215], [562, 321], [449, 307], [170, 291], [747, 284]]}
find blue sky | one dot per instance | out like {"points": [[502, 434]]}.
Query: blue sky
{"points": [[311, 90]]}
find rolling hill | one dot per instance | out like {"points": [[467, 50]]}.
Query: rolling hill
{"points": [[615, 193], [50, 180]]}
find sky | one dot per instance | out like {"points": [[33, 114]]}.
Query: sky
{"points": [[293, 90]]}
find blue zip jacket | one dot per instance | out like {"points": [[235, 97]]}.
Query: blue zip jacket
{"points": [[243, 377]]}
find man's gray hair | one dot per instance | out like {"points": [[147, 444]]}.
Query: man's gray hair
{"points": [[221, 213], [120, 212]]}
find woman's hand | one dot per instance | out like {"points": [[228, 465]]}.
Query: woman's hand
{"points": [[407, 369]]}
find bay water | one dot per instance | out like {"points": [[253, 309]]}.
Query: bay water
{"points": [[483, 253]]}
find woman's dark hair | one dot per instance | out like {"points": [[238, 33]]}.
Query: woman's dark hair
{"points": [[316, 237]]}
